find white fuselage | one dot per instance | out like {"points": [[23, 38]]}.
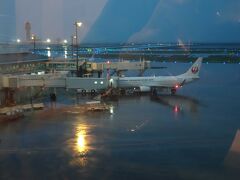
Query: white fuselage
{"points": [[173, 82], [161, 81]]}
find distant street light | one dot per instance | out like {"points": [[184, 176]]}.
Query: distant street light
{"points": [[77, 25], [18, 40], [48, 40], [34, 42], [65, 41]]}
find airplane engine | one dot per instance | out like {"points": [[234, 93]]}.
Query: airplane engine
{"points": [[145, 89]]}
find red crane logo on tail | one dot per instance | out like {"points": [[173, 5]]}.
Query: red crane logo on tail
{"points": [[194, 70]]}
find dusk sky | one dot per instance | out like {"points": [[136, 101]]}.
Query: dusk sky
{"points": [[132, 20]]}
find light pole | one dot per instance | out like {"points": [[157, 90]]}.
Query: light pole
{"points": [[34, 42], [72, 46], [77, 24]]}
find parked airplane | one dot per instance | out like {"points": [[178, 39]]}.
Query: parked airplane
{"points": [[172, 83]]}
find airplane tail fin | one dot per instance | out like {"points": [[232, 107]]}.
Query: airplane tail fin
{"points": [[195, 69]]}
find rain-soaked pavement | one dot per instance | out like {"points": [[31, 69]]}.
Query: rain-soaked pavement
{"points": [[193, 135]]}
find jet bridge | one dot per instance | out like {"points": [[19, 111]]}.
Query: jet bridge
{"points": [[53, 81], [94, 67]]}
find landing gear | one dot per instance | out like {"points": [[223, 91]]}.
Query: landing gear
{"points": [[154, 92], [93, 92], [84, 92], [173, 91], [53, 99]]}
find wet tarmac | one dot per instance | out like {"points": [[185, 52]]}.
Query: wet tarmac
{"points": [[193, 135]]}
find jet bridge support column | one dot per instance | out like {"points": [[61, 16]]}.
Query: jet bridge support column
{"points": [[9, 97]]}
